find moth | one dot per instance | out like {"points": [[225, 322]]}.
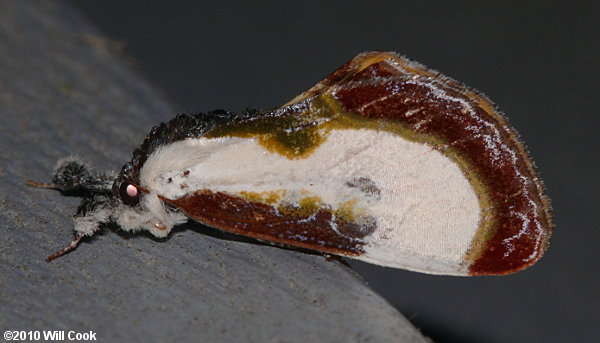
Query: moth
{"points": [[385, 161]]}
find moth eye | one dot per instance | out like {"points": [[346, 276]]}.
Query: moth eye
{"points": [[130, 194], [131, 191]]}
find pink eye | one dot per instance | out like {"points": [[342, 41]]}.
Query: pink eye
{"points": [[129, 194], [132, 191]]}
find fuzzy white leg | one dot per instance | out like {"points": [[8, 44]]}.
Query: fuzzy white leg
{"points": [[90, 223], [91, 213]]}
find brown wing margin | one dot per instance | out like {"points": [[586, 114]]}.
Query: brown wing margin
{"points": [[320, 231], [516, 227]]}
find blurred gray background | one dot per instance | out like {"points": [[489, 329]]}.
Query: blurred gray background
{"points": [[538, 61]]}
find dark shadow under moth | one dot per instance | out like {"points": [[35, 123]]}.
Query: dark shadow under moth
{"points": [[384, 161]]}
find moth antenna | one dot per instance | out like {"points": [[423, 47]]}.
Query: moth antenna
{"points": [[41, 184], [68, 248]]}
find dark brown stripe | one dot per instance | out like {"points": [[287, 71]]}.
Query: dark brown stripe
{"points": [[258, 220], [522, 224]]}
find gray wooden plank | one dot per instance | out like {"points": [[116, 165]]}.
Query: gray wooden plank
{"points": [[66, 90]]}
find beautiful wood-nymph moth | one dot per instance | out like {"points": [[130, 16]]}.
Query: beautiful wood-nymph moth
{"points": [[384, 161]]}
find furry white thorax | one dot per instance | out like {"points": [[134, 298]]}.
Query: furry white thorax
{"points": [[427, 212]]}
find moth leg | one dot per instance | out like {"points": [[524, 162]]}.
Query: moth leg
{"points": [[91, 213], [68, 248], [152, 215], [73, 174], [41, 184]]}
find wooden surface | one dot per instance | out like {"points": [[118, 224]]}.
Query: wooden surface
{"points": [[66, 90]]}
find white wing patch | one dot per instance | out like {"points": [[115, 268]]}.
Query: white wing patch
{"points": [[425, 209]]}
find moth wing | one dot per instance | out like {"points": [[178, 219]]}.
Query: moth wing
{"points": [[385, 161]]}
